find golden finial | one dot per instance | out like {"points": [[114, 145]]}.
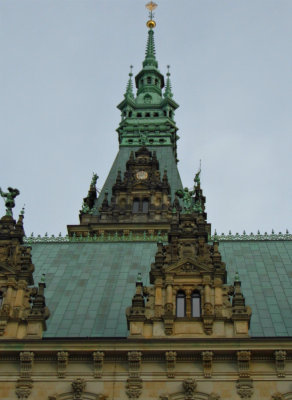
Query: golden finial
{"points": [[151, 6]]}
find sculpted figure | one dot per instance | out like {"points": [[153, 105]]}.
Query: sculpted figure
{"points": [[94, 179], [187, 196], [9, 199]]}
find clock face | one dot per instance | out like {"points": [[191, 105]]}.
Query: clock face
{"points": [[141, 175]]}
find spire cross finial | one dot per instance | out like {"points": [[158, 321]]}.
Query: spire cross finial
{"points": [[168, 73], [131, 69], [151, 6]]}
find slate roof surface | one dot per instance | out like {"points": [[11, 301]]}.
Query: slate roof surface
{"points": [[166, 160], [90, 285]]}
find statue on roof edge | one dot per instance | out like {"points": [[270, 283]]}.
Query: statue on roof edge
{"points": [[9, 199]]}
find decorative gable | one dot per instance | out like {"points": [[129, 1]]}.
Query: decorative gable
{"points": [[189, 296]]}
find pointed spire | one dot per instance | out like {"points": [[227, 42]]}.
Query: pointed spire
{"points": [[150, 59], [129, 90], [168, 92]]}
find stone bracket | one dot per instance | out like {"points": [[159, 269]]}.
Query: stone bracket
{"points": [[280, 361], [98, 357], [26, 363], [63, 357], [243, 362], [207, 357], [134, 361], [170, 357]]}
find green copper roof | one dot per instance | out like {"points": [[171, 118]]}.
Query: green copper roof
{"points": [[90, 285], [166, 160]]}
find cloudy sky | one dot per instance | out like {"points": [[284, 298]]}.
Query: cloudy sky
{"points": [[63, 70]]}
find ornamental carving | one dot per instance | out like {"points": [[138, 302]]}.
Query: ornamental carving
{"points": [[245, 388], [134, 388], [78, 387]]}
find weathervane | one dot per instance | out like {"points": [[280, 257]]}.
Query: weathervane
{"points": [[151, 6]]}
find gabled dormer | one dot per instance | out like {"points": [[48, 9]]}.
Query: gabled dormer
{"points": [[189, 296]]}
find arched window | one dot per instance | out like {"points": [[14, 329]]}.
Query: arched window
{"points": [[196, 304], [180, 304], [149, 80], [130, 113], [156, 82], [145, 206], [136, 204]]}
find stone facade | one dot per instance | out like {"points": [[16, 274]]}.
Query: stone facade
{"points": [[34, 371]]}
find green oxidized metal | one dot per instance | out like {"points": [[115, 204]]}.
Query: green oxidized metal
{"points": [[150, 113]]}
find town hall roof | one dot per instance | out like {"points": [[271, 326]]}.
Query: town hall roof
{"points": [[90, 285]]}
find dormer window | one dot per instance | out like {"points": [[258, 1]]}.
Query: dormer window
{"points": [[180, 304], [139, 115], [196, 304], [149, 80], [156, 82], [147, 115]]}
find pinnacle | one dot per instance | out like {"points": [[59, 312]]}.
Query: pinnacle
{"points": [[168, 92], [129, 90]]}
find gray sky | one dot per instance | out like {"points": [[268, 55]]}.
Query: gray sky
{"points": [[64, 67]]}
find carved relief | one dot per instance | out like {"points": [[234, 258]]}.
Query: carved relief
{"points": [[189, 386], [134, 388], [78, 387], [78, 392], [23, 388], [245, 388]]}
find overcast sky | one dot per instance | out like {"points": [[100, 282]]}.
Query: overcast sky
{"points": [[64, 67]]}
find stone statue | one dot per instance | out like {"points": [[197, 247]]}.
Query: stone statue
{"points": [[9, 196], [187, 196], [94, 179]]}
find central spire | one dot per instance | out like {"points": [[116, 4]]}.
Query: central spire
{"points": [[149, 112]]}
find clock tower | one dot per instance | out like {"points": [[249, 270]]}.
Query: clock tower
{"points": [[138, 196]]}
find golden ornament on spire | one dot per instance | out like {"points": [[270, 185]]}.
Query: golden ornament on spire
{"points": [[151, 6]]}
